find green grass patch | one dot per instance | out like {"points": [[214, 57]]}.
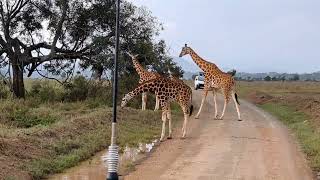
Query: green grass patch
{"points": [[134, 127], [298, 122]]}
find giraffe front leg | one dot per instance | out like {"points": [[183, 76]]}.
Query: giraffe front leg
{"points": [[215, 104], [202, 102], [164, 118], [144, 101], [156, 108], [170, 125]]}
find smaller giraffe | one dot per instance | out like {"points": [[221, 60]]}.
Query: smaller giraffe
{"points": [[167, 91], [214, 79], [144, 76]]}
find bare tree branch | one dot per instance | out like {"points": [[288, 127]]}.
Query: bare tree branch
{"points": [[76, 55], [17, 10], [49, 77], [2, 51]]}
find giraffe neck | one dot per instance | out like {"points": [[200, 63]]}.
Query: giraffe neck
{"points": [[140, 70], [144, 87], [203, 64]]}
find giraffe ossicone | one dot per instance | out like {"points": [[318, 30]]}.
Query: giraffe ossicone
{"points": [[144, 75]]}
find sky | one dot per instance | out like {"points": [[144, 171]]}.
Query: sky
{"points": [[248, 35]]}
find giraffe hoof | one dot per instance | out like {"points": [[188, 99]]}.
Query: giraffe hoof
{"points": [[196, 117], [169, 137], [239, 119]]}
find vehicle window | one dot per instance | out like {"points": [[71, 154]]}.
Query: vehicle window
{"points": [[201, 78]]}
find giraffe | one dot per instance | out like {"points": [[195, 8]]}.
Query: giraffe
{"points": [[167, 91], [214, 80], [144, 76]]}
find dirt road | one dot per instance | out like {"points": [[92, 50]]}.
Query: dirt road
{"points": [[258, 148]]}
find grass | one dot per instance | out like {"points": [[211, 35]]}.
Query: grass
{"points": [[43, 139], [56, 127]]}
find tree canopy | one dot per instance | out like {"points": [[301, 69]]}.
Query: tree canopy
{"points": [[56, 34]]}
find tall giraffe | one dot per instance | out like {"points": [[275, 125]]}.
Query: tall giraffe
{"points": [[214, 79], [144, 76], [167, 91]]}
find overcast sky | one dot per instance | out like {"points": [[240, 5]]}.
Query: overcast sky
{"points": [[249, 35]]}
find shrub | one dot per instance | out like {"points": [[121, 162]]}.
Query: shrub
{"points": [[4, 90], [77, 90]]}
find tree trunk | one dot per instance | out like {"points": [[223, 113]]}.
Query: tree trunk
{"points": [[97, 73], [17, 80]]}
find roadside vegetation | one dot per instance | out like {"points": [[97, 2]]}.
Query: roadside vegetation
{"points": [[297, 105], [46, 125], [56, 127]]}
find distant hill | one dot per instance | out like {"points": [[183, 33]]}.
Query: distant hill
{"points": [[190, 68], [287, 76]]}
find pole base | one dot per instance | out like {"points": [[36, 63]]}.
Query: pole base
{"points": [[112, 176]]}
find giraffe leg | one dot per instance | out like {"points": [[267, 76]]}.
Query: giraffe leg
{"points": [[202, 102], [226, 94], [215, 104], [156, 108], [237, 107], [170, 126], [164, 118], [185, 122], [144, 101]]}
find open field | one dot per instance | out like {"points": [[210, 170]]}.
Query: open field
{"points": [[296, 104]]}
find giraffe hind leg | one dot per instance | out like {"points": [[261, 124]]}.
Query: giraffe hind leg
{"points": [[184, 127], [226, 100], [163, 130], [202, 102], [165, 109], [236, 104]]}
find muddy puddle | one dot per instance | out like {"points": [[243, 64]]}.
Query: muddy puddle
{"points": [[96, 167]]}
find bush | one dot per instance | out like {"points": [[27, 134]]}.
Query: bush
{"points": [[77, 90], [4, 90], [46, 91]]}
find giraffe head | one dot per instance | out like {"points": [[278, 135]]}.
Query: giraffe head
{"points": [[125, 100], [132, 56], [185, 50]]}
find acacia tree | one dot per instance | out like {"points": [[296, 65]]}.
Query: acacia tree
{"points": [[56, 33]]}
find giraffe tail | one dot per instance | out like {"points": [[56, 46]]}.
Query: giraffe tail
{"points": [[191, 106], [191, 110], [236, 96]]}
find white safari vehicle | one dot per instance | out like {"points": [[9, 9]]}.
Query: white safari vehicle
{"points": [[199, 81]]}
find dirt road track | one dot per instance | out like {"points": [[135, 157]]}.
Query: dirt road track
{"points": [[258, 148]]}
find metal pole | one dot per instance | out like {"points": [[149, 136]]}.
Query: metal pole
{"points": [[113, 155]]}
